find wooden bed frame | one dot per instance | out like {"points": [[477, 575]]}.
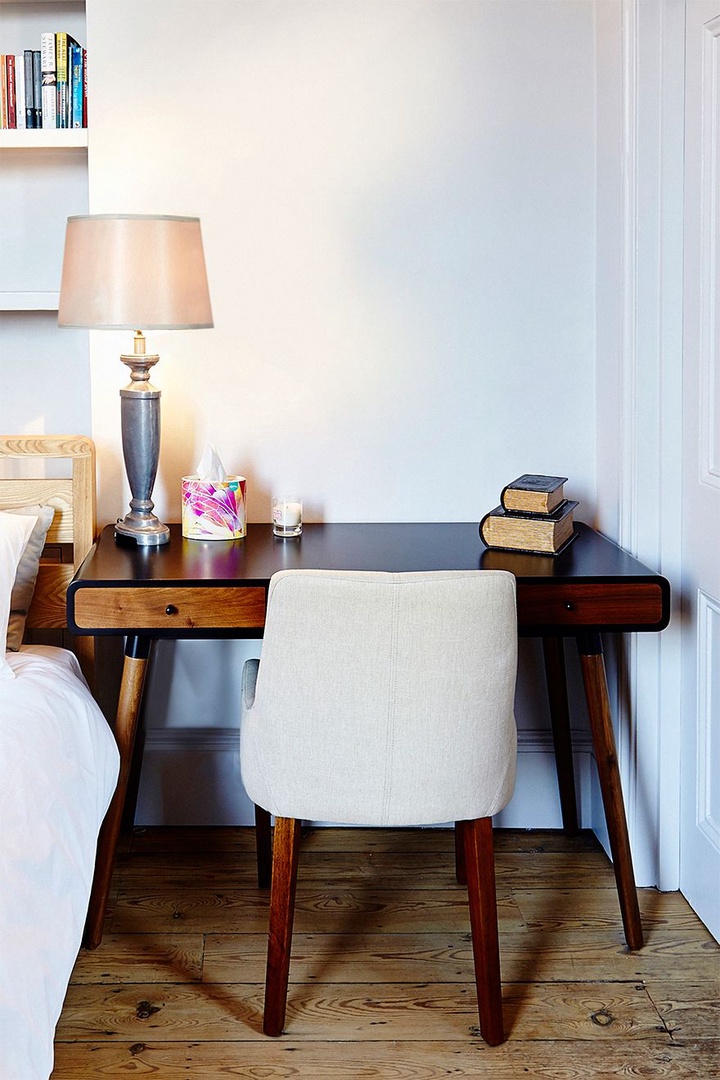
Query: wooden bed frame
{"points": [[71, 534]]}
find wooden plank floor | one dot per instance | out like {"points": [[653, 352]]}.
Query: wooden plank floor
{"points": [[381, 980]]}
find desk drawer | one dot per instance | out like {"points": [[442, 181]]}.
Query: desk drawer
{"points": [[592, 604], [170, 608]]}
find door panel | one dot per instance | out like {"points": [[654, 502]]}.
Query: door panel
{"points": [[700, 785]]}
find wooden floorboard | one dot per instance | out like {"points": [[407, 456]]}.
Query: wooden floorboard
{"points": [[381, 977]]}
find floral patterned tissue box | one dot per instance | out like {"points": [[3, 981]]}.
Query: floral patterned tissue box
{"points": [[213, 509]]}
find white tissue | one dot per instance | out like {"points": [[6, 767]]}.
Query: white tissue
{"points": [[210, 467]]}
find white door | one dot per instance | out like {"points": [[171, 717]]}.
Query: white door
{"points": [[700, 764]]}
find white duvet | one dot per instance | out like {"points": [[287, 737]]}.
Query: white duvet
{"points": [[58, 770]]}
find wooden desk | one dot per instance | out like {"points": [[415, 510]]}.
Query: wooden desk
{"points": [[205, 589]]}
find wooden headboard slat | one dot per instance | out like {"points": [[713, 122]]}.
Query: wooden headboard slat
{"points": [[46, 446], [55, 493]]}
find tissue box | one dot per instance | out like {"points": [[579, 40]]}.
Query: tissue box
{"points": [[213, 509]]}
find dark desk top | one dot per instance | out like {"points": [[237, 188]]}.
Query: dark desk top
{"points": [[394, 547], [591, 564]]}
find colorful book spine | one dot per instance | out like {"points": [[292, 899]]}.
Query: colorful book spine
{"points": [[20, 91], [49, 81], [61, 79], [76, 84], [29, 89], [37, 87], [3, 92], [85, 94], [11, 96]]}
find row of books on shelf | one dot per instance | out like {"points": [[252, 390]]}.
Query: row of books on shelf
{"points": [[533, 516], [45, 87]]}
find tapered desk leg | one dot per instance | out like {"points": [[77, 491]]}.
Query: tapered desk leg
{"points": [[137, 652], [596, 693], [554, 655]]}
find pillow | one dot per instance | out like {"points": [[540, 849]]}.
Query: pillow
{"points": [[27, 572], [15, 532]]}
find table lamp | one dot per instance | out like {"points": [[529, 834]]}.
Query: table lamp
{"points": [[136, 272]]}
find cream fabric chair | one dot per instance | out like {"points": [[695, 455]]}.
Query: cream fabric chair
{"points": [[384, 699]]}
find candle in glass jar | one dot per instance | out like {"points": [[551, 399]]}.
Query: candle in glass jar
{"points": [[290, 514], [287, 516]]}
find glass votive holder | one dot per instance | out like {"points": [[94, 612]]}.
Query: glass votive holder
{"points": [[286, 515]]}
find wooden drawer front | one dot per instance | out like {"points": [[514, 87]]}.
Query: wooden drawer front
{"points": [[612, 604], [171, 608]]}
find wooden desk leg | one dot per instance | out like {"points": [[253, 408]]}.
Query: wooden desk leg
{"points": [[596, 693], [137, 652], [554, 654]]}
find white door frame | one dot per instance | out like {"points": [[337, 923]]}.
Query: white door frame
{"points": [[700, 803], [642, 441]]}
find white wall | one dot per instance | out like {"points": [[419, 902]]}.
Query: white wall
{"points": [[398, 206], [45, 376], [398, 209]]}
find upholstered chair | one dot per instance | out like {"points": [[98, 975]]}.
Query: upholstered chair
{"points": [[384, 700]]}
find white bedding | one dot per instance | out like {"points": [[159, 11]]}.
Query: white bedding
{"points": [[58, 770]]}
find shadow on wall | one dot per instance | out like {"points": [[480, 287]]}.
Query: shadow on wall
{"points": [[195, 684]]}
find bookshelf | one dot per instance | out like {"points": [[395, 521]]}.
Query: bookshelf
{"points": [[43, 173], [43, 180], [37, 140]]}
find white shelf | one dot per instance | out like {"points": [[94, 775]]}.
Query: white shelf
{"points": [[29, 301], [43, 138], [43, 181]]}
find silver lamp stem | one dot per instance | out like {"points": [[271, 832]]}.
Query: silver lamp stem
{"points": [[140, 422]]}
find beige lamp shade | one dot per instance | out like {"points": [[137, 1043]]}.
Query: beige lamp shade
{"points": [[134, 271]]}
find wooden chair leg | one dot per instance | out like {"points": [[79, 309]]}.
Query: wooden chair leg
{"points": [[263, 846], [480, 863], [286, 844]]}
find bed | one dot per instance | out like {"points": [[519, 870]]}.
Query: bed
{"points": [[58, 758]]}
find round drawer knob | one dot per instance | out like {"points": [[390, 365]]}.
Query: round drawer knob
{"points": [[569, 606], [171, 610]]}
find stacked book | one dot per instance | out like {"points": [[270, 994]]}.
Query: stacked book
{"points": [[45, 87], [534, 516]]}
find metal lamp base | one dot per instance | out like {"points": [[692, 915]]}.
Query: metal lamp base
{"points": [[145, 533], [140, 420]]}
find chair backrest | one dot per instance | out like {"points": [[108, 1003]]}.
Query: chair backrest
{"points": [[72, 532], [384, 699]]}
